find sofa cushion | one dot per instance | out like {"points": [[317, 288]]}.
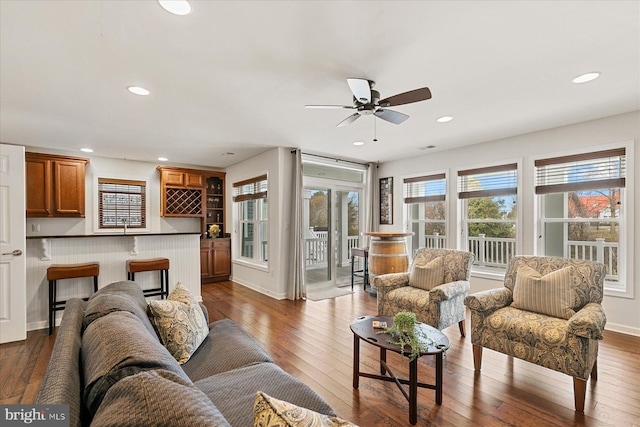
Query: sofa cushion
{"points": [[180, 323], [116, 346], [427, 274], [227, 347], [551, 294], [156, 398], [117, 296], [271, 412], [233, 392]]}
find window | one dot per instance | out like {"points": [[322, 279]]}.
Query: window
{"points": [[121, 203], [489, 213], [582, 216], [425, 199], [251, 197]]}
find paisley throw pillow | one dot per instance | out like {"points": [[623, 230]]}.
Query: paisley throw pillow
{"points": [[180, 323], [271, 412]]}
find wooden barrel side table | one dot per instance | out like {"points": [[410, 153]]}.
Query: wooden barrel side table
{"points": [[388, 253]]}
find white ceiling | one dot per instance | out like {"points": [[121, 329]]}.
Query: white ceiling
{"points": [[234, 76]]}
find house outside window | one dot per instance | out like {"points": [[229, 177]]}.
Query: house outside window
{"points": [[582, 209], [488, 198], [121, 204], [425, 202], [252, 220]]}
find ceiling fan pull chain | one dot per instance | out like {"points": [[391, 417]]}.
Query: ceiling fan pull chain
{"points": [[375, 129]]}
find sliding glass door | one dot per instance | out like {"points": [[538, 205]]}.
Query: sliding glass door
{"points": [[332, 227]]}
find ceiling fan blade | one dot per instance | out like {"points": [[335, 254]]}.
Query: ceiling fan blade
{"points": [[352, 118], [361, 90], [415, 95], [348, 107], [391, 116]]}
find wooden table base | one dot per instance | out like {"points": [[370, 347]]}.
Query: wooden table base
{"points": [[387, 375]]}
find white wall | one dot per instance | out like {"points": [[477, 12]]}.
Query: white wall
{"points": [[623, 314], [271, 280]]}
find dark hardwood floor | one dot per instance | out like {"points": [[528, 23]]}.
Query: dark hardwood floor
{"points": [[312, 341]]}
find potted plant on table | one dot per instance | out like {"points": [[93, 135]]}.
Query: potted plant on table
{"points": [[405, 333]]}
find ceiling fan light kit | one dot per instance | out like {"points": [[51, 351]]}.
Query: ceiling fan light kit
{"points": [[366, 102]]}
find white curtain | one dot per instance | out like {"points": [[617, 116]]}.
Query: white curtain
{"points": [[297, 288], [371, 221]]}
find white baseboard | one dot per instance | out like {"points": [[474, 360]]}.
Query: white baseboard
{"points": [[262, 290], [615, 327]]}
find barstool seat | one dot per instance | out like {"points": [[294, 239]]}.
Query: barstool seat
{"points": [[141, 265], [57, 272]]}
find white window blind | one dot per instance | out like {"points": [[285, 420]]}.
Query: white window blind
{"points": [[431, 188], [491, 181], [250, 189], [587, 171]]}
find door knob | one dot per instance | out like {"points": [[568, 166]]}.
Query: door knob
{"points": [[17, 252]]}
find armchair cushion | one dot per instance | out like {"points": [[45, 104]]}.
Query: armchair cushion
{"points": [[551, 294], [427, 274]]}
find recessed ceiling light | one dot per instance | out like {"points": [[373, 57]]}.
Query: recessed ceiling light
{"points": [[587, 77], [162, 159], [177, 7], [138, 90], [444, 119], [358, 143], [427, 147], [86, 150]]}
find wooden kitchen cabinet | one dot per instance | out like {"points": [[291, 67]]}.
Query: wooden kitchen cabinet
{"points": [[181, 192], [215, 260], [55, 186]]}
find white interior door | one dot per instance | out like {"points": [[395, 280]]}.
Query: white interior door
{"points": [[13, 300]]}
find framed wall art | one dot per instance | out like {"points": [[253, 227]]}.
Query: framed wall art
{"points": [[386, 200]]}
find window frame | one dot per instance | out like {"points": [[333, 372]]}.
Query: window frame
{"points": [[462, 204], [624, 287], [409, 200], [121, 179], [258, 192]]}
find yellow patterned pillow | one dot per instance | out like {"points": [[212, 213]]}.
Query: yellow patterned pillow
{"points": [[180, 323], [271, 412], [551, 294], [427, 275]]}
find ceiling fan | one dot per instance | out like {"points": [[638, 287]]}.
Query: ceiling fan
{"points": [[366, 101]]}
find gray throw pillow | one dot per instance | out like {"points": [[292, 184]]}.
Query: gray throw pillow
{"points": [[116, 346], [157, 398]]}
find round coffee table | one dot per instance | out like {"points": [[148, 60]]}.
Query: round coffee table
{"points": [[363, 329]]}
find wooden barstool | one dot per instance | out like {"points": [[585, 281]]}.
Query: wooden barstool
{"points": [[57, 272], [139, 265]]}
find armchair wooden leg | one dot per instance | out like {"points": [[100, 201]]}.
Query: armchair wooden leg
{"points": [[477, 357], [594, 370], [461, 326], [579, 392]]}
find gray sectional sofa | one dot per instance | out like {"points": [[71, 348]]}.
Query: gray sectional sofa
{"points": [[110, 367]]}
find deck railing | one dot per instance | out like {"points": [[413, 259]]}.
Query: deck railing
{"points": [[600, 251], [492, 251], [488, 251], [317, 249]]}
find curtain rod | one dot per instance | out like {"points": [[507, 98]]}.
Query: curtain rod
{"points": [[330, 158]]}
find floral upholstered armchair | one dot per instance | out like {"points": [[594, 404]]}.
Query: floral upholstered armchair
{"points": [[549, 313], [434, 288]]}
